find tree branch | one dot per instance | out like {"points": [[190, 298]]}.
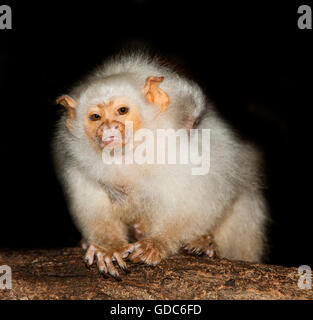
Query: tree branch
{"points": [[61, 274]]}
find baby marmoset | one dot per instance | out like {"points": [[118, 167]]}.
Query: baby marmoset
{"points": [[170, 208]]}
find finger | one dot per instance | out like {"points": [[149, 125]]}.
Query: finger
{"points": [[135, 257], [101, 264], [87, 265], [120, 261], [110, 267], [89, 256], [137, 252], [127, 250]]}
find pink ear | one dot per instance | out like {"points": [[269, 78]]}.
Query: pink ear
{"points": [[70, 104], [66, 101], [154, 94]]}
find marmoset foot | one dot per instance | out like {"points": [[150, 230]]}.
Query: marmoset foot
{"points": [[105, 257], [203, 245], [148, 250]]}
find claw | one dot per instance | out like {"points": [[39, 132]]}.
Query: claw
{"points": [[89, 256], [120, 261], [87, 265], [117, 278], [105, 261], [204, 245], [110, 267], [103, 274], [126, 271]]}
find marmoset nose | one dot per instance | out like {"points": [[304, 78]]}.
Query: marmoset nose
{"points": [[111, 124], [115, 125]]}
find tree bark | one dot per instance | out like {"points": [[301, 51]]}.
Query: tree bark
{"points": [[61, 274]]}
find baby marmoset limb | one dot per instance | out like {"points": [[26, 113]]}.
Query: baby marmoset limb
{"points": [[170, 205]]}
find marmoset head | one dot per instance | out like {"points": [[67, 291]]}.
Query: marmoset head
{"points": [[107, 104]]}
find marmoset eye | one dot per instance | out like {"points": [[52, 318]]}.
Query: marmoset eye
{"points": [[122, 110], [94, 117]]}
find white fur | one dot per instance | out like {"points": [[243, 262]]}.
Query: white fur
{"points": [[227, 202]]}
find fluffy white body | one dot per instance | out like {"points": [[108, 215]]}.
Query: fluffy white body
{"points": [[172, 206]]}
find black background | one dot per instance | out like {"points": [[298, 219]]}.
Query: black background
{"points": [[250, 57]]}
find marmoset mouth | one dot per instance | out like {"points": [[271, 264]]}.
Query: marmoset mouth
{"points": [[109, 139], [105, 136], [112, 140]]}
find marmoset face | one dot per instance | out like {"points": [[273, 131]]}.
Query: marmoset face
{"points": [[105, 122]]}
